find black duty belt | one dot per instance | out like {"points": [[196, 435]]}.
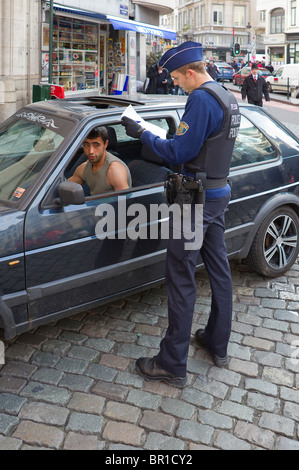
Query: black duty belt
{"points": [[216, 183]]}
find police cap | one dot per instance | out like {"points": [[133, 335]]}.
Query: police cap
{"points": [[185, 53]]}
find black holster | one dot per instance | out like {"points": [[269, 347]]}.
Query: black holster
{"points": [[182, 189]]}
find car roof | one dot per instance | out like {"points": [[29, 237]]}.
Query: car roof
{"points": [[81, 107]]}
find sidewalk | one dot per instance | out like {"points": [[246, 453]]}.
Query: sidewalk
{"points": [[73, 385]]}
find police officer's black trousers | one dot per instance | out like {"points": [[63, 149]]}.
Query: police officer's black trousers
{"points": [[181, 290]]}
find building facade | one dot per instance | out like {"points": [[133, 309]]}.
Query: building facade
{"points": [[280, 20], [218, 25], [97, 46]]}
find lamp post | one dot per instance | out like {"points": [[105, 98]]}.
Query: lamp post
{"points": [[51, 43]]}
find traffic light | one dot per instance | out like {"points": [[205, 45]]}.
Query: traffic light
{"points": [[237, 48]]}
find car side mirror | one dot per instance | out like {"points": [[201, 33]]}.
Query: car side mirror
{"points": [[70, 193]]}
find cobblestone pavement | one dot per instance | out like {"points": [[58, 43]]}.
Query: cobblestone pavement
{"points": [[72, 385]]}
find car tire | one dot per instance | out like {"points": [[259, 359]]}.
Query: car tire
{"points": [[275, 246], [269, 87]]}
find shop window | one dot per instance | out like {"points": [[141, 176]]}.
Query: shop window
{"points": [[75, 54]]}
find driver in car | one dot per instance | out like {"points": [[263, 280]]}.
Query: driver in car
{"points": [[103, 172]]}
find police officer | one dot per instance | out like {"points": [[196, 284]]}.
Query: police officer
{"points": [[203, 145]]}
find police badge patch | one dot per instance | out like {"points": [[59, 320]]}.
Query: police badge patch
{"points": [[182, 129]]}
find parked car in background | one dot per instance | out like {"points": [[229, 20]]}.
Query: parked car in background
{"points": [[245, 71], [226, 71], [63, 251], [284, 77]]}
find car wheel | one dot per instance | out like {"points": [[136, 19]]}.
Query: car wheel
{"points": [[276, 244], [269, 87]]}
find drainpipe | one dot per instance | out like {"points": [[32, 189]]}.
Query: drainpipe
{"points": [[51, 43], [28, 51]]}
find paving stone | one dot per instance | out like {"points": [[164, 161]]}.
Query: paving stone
{"points": [[100, 372], [178, 408], [226, 441], [47, 375], [157, 421], [77, 383], [44, 413], [76, 441], [277, 424], [144, 399], [263, 402], [10, 403], [125, 433], [255, 435], [11, 384], [18, 369], [45, 392], [278, 376], [122, 412], [159, 441], [44, 359], [39, 434], [236, 410], [244, 367], [87, 402], [195, 432], [198, 398], [214, 419], [287, 444], [9, 443], [71, 365], [7, 423], [85, 423], [261, 386]]}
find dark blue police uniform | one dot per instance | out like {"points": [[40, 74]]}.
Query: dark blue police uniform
{"points": [[203, 143]]}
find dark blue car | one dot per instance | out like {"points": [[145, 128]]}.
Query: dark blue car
{"points": [[61, 250], [226, 71]]}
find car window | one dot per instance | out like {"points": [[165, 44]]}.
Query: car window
{"points": [[251, 146], [25, 148], [163, 123], [278, 73]]}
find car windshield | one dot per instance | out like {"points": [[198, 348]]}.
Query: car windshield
{"points": [[25, 148]]}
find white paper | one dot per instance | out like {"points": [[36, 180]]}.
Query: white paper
{"points": [[131, 113]]}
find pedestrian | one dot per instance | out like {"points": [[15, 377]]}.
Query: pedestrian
{"points": [[159, 80], [254, 87], [270, 67], [203, 143], [213, 70]]}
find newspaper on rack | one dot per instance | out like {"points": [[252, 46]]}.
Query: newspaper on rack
{"points": [[131, 113]]}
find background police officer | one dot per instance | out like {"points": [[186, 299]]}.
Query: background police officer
{"points": [[203, 143]]}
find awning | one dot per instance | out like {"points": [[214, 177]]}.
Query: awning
{"points": [[143, 28], [119, 23], [77, 11]]}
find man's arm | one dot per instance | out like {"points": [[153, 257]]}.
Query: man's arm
{"points": [[265, 89], [117, 176], [78, 175], [244, 89]]}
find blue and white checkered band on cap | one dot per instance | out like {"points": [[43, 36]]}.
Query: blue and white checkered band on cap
{"points": [[185, 53]]}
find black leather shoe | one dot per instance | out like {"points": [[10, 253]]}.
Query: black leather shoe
{"points": [[148, 368], [218, 360]]}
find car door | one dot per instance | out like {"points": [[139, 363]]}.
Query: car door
{"points": [[255, 172], [279, 80], [85, 254]]}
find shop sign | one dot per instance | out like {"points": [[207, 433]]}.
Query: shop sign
{"points": [[124, 10]]}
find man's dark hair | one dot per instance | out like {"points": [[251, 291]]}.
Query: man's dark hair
{"points": [[98, 132]]}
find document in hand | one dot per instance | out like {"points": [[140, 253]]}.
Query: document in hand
{"points": [[131, 113]]}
